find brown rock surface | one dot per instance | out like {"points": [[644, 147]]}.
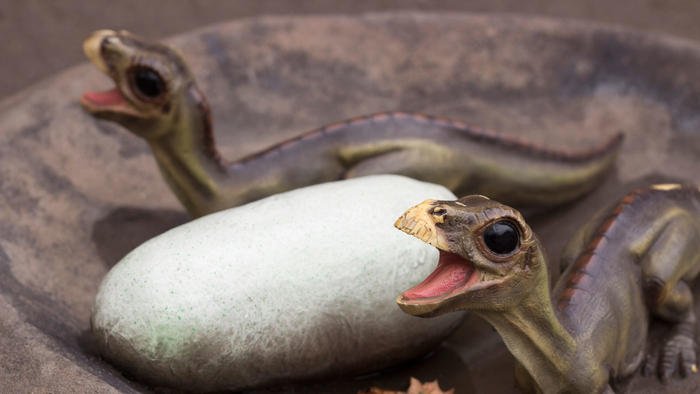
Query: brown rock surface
{"points": [[77, 194]]}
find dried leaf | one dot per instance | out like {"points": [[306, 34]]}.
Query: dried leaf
{"points": [[416, 387], [377, 390]]}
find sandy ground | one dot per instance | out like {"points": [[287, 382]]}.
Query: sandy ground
{"points": [[41, 37]]}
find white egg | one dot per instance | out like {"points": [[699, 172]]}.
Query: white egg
{"points": [[301, 284]]}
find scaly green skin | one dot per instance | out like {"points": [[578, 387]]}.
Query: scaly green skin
{"points": [[632, 263], [177, 126]]}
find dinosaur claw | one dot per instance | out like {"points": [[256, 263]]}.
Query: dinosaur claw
{"points": [[688, 365], [665, 375], [677, 355], [649, 368], [668, 366]]}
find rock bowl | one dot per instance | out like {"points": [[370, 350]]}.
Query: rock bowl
{"points": [[77, 194]]}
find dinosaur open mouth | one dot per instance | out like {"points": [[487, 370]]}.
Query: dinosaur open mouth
{"points": [[106, 101], [108, 98], [111, 100], [453, 275]]}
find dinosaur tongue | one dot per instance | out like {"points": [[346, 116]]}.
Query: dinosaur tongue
{"points": [[452, 273], [106, 98]]}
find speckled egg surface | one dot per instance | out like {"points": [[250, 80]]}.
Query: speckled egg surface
{"points": [[297, 285]]}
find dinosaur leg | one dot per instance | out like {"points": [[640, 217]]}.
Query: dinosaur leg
{"points": [[677, 352], [668, 265]]}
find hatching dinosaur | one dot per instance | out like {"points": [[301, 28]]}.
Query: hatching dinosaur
{"points": [[157, 98], [633, 262]]}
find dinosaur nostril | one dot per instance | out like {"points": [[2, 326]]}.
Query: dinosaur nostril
{"points": [[438, 214]]}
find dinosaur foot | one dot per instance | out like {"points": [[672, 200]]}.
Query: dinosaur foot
{"points": [[676, 354]]}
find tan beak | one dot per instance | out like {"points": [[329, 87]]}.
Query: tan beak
{"points": [[91, 47], [420, 223]]}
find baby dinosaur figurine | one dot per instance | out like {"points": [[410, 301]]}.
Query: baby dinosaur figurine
{"points": [[631, 263], [157, 99]]}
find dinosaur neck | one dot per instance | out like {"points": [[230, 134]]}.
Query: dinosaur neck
{"points": [[187, 156], [536, 337]]}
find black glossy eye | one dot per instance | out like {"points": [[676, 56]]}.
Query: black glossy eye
{"points": [[502, 237], [147, 82]]}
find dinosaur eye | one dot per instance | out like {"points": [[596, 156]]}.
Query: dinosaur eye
{"points": [[146, 82], [502, 237]]}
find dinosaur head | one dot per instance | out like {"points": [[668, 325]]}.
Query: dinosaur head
{"points": [[152, 82], [489, 257]]}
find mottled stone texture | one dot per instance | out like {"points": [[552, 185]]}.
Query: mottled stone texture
{"points": [[77, 194]]}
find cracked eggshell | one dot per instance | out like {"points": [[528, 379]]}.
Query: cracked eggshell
{"points": [[301, 284]]}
